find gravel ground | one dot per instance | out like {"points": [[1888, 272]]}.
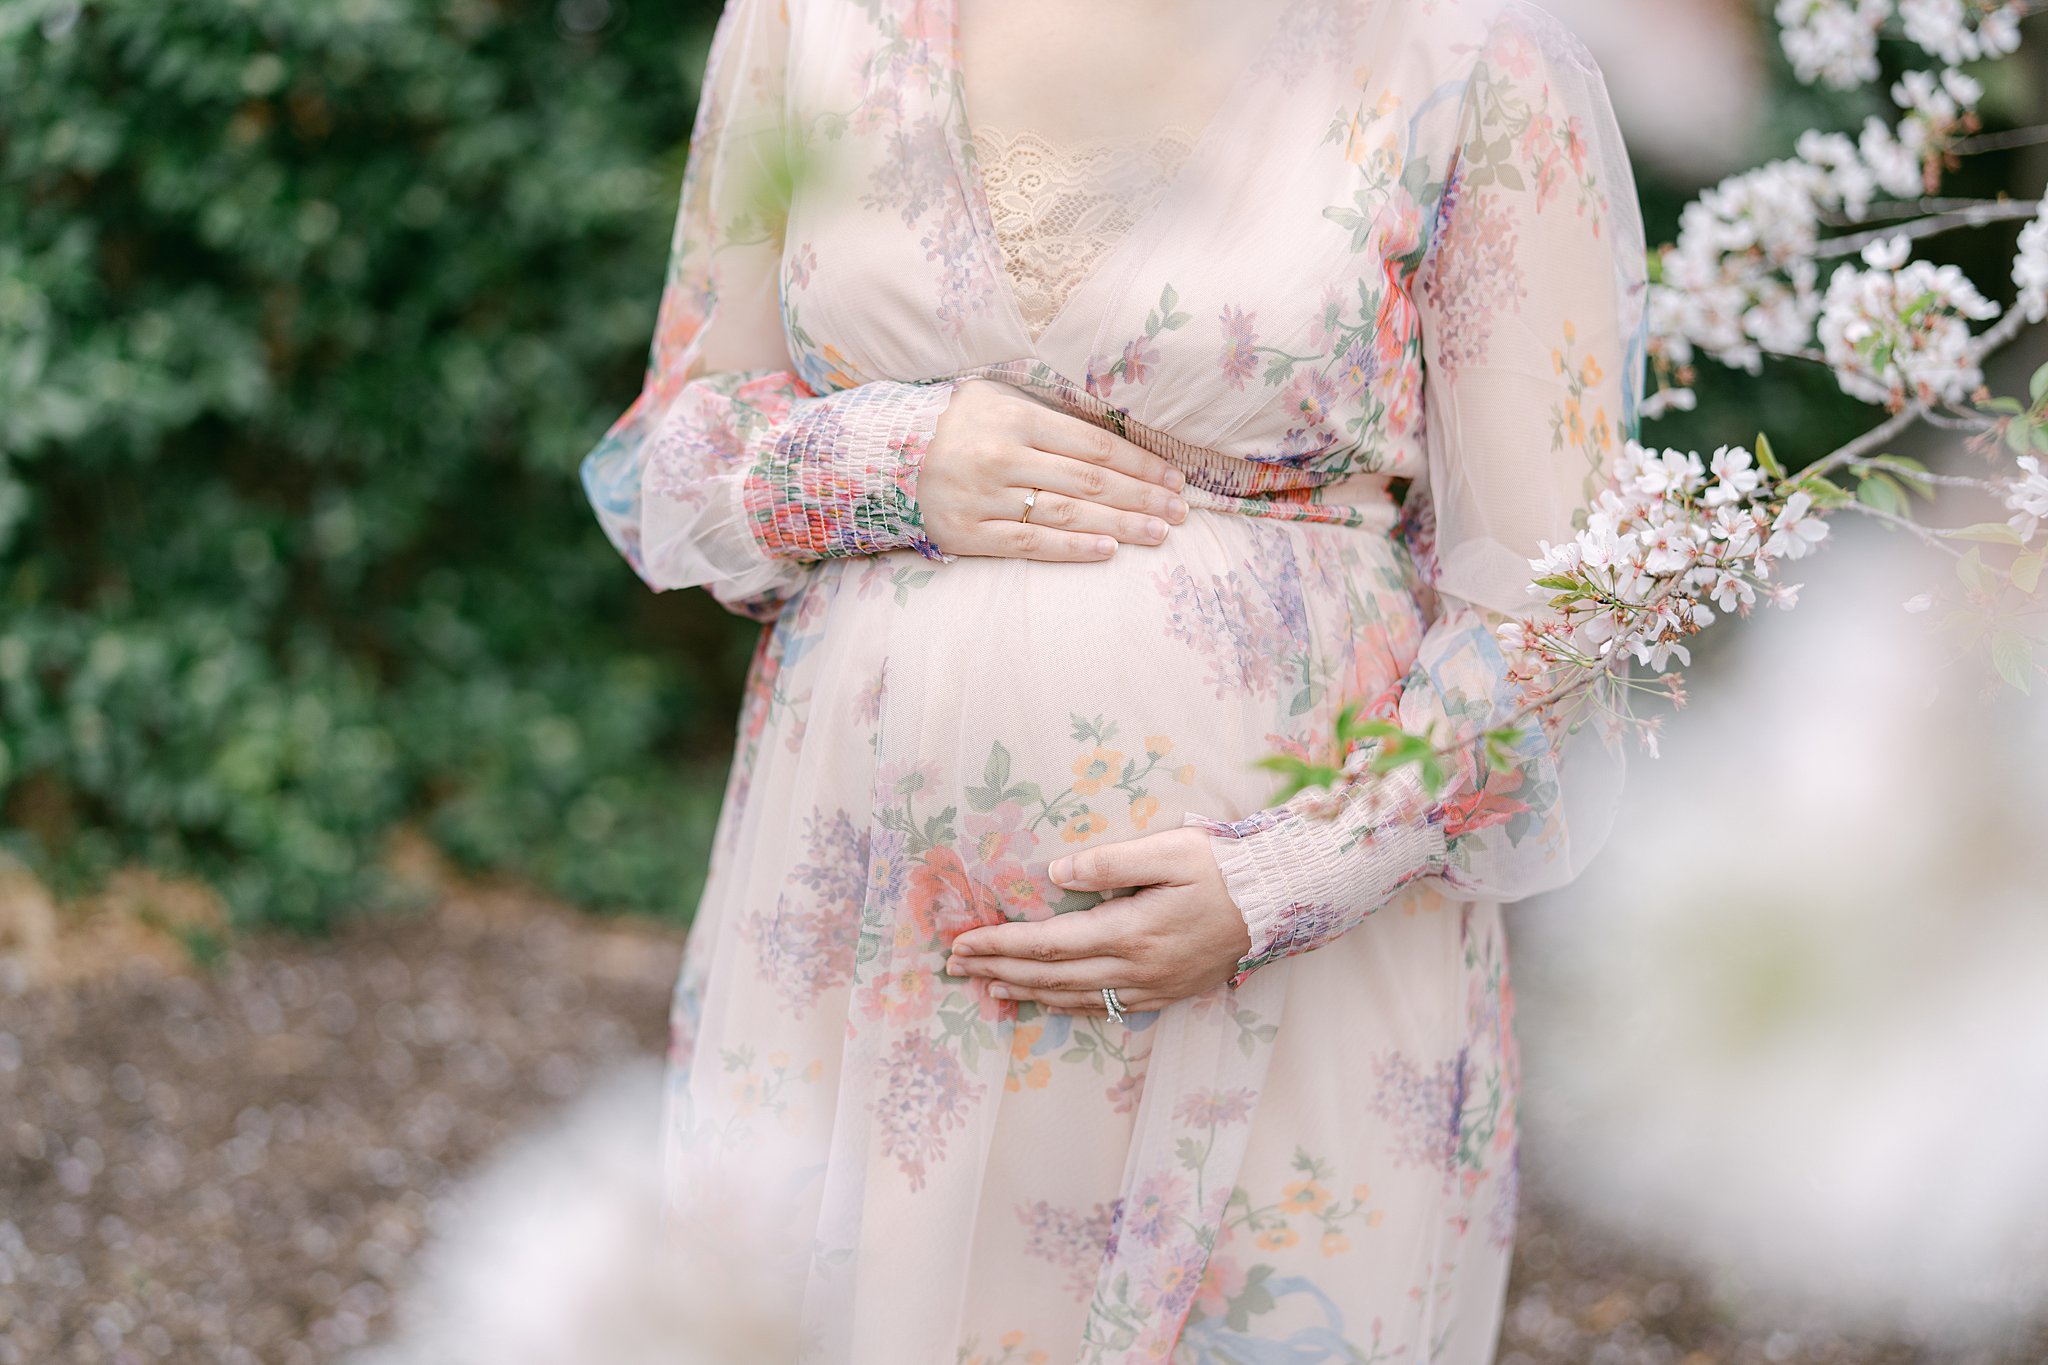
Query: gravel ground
{"points": [[239, 1165]]}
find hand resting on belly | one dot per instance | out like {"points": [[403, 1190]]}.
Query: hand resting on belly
{"points": [[993, 444]]}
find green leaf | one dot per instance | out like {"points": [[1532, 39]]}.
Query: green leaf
{"points": [[1824, 491], [996, 773], [2012, 654], [2026, 571], [1767, 458], [1970, 569], [2037, 386], [1991, 532], [1509, 176], [1883, 492]]}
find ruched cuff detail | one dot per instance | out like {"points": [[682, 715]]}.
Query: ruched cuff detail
{"points": [[839, 477], [1301, 880]]}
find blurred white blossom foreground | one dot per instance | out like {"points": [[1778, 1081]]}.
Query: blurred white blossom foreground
{"points": [[1793, 1026], [551, 1256]]}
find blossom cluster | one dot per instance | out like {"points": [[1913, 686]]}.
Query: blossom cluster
{"points": [[1902, 327], [1670, 541], [1835, 41], [1743, 279]]}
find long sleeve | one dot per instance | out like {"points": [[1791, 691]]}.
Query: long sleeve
{"points": [[1531, 300], [729, 471]]}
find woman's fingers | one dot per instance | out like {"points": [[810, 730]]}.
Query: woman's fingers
{"points": [[1065, 513], [1064, 434], [1089, 1002], [1073, 974], [1036, 467], [1029, 540]]}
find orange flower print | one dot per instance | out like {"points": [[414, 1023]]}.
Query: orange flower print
{"points": [[1097, 766], [1278, 1239], [1022, 895], [1304, 1196], [1335, 1244], [1184, 774], [1159, 746], [945, 901], [1143, 808], [901, 996], [1084, 827]]}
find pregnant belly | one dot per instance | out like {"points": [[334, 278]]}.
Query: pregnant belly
{"points": [[1077, 701]]}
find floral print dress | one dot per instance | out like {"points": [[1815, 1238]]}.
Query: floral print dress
{"points": [[1386, 315]]}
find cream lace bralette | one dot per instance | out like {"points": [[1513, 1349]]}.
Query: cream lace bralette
{"points": [[1058, 206]]}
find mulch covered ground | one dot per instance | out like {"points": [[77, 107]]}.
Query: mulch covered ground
{"points": [[240, 1164]]}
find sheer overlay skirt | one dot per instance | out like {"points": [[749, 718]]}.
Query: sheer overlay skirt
{"points": [[965, 1180]]}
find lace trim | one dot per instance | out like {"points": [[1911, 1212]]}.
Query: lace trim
{"points": [[1057, 207]]}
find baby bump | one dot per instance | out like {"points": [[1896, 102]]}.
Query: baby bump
{"points": [[921, 740], [1079, 701]]}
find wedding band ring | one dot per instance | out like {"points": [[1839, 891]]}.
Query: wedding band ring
{"points": [[1113, 1005], [1030, 501]]}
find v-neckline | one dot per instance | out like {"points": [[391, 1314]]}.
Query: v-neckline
{"points": [[967, 173]]}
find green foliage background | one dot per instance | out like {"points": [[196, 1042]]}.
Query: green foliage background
{"points": [[308, 310]]}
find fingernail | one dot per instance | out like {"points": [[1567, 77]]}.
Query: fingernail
{"points": [[999, 992], [1105, 546], [1155, 528], [1061, 869], [1176, 480], [1176, 509], [963, 950], [955, 968]]}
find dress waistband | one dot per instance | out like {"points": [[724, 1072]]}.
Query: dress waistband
{"points": [[1219, 482]]}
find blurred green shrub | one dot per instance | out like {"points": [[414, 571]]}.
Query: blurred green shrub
{"points": [[308, 309]]}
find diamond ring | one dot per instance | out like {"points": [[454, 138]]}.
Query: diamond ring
{"points": [[1113, 1005], [1030, 501]]}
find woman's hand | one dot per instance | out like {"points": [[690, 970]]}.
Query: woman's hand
{"points": [[1181, 935], [993, 444]]}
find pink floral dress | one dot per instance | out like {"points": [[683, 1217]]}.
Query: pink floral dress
{"points": [[1386, 314]]}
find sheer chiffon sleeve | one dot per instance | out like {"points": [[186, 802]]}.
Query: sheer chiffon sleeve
{"points": [[728, 471], [1531, 298]]}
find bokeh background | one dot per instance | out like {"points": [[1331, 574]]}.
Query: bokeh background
{"points": [[354, 795]]}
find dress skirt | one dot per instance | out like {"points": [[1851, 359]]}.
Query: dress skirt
{"points": [[1318, 1166]]}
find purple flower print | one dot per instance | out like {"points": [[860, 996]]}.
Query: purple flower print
{"points": [[1176, 1278], [1239, 360], [1472, 272], [1425, 1109], [1250, 623], [1500, 1225], [1140, 355], [925, 1094], [803, 951], [1358, 370], [805, 945], [1069, 1239], [1150, 1216], [838, 866], [888, 867], [1214, 1108], [1313, 396]]}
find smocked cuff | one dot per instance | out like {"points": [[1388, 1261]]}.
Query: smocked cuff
{"points": [[839, 477], [1301, 880]]}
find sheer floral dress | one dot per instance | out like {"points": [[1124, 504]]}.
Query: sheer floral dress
{"points": [[1385, 311]]}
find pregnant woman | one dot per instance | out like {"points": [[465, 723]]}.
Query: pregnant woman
{"points": [[1091, 400]]}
